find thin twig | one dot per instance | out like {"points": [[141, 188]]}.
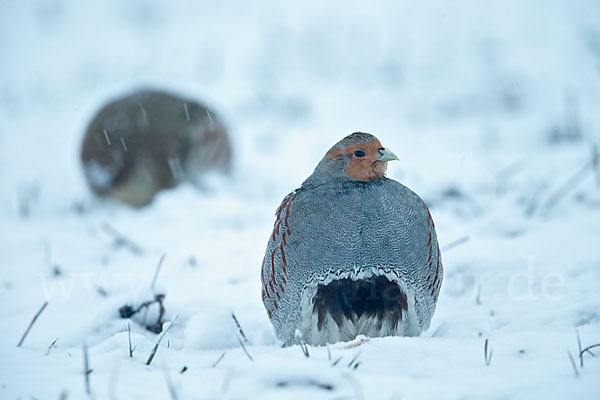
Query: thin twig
{"points": [[240, 330], [244, 348], [456, 243], [573, 364], [328, 353], [86, 369], [160, 262], [31, 323], [218, 360], [166, 329]]}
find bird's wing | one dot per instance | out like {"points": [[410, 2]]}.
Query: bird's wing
{"points": [[274, 265], [416, 214], [435, 270]]}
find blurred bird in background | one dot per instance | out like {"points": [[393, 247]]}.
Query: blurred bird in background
{"points": [[148, 141]]}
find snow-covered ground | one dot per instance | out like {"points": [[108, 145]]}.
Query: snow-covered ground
{"points": [[491, 106]]}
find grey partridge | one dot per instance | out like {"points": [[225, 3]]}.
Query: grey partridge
{"points": [[351, 253]]}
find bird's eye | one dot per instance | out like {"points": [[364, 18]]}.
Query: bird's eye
{"points": [[360, 153]]}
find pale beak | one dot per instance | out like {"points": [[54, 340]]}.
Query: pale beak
{"points": [[387, 155]]}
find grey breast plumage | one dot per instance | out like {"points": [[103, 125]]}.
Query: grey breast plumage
{"points": [[349, 258], [151, 140]]}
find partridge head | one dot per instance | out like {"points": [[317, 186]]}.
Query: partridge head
{"points": [[358, 157]]}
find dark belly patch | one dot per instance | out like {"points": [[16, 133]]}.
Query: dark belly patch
{"points": [[351, 299]]}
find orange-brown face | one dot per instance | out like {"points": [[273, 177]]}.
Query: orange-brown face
{"points": [[363, 160]]}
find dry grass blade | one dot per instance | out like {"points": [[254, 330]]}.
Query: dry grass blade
{"points": [[129, 337], [457, 242], [158, 267], [487, 355], [171, 388], [535, 199], [569, 185], [504, 176], [579, 347], [360, 342], [227, 380], [221, 357], [244, 348], [51, 346], [121, 240], [595, 155], [240, 330], [478, 297], [31, 323], [86, 369], [303, 346], [585, 350], [573, 364], [589, 348], [168, 326], [353, 361]]}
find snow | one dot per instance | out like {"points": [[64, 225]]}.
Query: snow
{"points": [[491, 107]]}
